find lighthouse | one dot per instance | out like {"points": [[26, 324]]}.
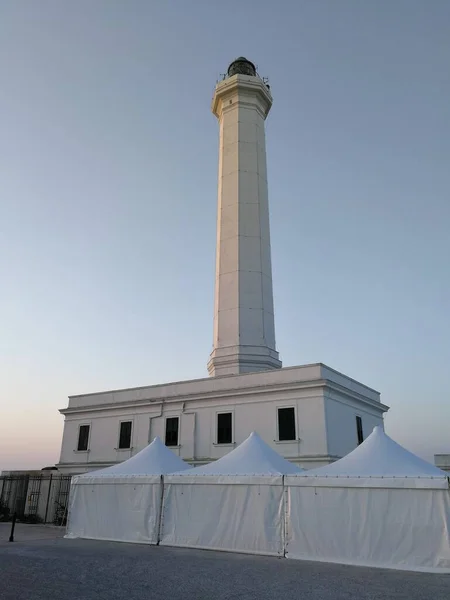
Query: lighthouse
{"points": [[310, 414], [244, 328]]}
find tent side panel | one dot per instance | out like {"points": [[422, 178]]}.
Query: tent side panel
{"points": [[438, 483], [124, 513], [234, 518], [393, 528]]}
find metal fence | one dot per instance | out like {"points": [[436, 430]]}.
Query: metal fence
{"points": [[35, 498]]}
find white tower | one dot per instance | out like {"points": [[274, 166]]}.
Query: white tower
{"points": [[244, 330]]}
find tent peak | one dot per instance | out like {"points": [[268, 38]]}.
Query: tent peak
{"points": [[252, 457], [380, 457], [154, 459]]}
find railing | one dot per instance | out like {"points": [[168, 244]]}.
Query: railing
{"points": [[35, 498]]}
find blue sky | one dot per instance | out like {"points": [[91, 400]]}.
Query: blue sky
{"points": [[108, 179]]}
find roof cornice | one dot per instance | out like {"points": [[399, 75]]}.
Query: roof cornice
{"points": [[262, 390]]}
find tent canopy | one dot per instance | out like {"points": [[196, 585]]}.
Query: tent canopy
{"points": [[251, 458], [123, 502], [154, 460], [378, 458]]}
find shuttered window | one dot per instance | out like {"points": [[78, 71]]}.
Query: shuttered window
{"points": [[83, 438], [172, 431], [359, 430], [125, 435], [286, 424], [224, 428]]}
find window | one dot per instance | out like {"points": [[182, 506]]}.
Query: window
{"points": [[125, 435], [83, 438], [286, 424], [224, 428], [359, 430], [172, 431]]}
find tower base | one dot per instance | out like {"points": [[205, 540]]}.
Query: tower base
{"points": [[234, 360]]}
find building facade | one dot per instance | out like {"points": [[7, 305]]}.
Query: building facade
{"points": [[310, 414]]}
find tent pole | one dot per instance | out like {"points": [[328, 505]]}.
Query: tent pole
{"points": [[161, 509], [285, 517]]}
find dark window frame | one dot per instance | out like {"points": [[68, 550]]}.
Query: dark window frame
{"points": [[124, 435], [287, 432], [359, 430], [83, 447], [224, 431], [169, 436]]}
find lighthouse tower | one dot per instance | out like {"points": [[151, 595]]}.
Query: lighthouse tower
{"points": [[310, 414], [244, 330]]}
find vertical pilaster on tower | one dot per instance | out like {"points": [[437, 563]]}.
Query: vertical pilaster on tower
{"points": [[244, 329]]}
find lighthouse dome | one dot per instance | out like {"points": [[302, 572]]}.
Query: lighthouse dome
{"points": [[241, 66]]}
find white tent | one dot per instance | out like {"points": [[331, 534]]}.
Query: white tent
{"points": [[235, 503], [122, 502], [378, 506]]}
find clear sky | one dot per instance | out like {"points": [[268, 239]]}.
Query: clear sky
{"points": [[108, 191]]}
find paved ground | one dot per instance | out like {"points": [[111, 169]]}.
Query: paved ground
{"points": [[42, 565], [27, 533]]}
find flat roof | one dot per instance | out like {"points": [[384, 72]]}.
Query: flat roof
{"points": [[226, 377]]}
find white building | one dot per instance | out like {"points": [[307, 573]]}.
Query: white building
{"points": [[310, 414], [442, 461]]}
